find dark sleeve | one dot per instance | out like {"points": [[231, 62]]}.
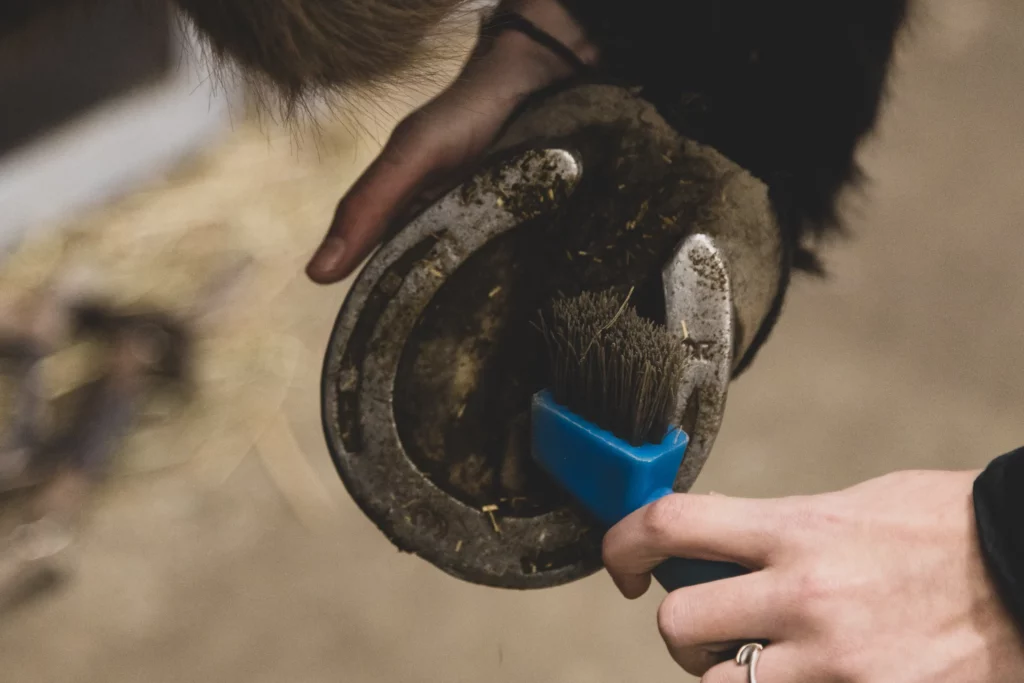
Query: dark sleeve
{"points": [[999, 509], [17, 15]]}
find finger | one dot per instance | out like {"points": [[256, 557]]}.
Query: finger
{"points": [[697, 661], [777, 663], [690, 526], [435, 186], [389, 183], [747, 607]]}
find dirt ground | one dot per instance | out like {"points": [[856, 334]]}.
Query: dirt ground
{"points": [[909, 356]]}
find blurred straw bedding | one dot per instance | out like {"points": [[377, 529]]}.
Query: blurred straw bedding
{"points": [[264, 196]]}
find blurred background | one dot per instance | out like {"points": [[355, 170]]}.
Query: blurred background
{"points": [[225, 548]]}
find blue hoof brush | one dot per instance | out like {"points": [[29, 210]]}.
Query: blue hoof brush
{"points": [[603, 429]]}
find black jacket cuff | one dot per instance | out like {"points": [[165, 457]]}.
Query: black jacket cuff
{"points": [[999, 510]]}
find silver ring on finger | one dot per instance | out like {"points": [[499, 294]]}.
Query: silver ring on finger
{"points": [[748, 657]]}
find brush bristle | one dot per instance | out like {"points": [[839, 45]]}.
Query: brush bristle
{"points": [[612, 367]]}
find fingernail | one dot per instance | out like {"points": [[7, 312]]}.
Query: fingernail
{"points": [[328, 256]]}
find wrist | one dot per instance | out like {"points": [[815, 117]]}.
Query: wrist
{"points": [[554, 19], [535, 65]]}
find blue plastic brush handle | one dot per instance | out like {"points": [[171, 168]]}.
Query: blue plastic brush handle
{"points": [[612, 478], [676, 572]]}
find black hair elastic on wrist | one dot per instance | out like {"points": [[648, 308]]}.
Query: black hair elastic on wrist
{"points": [[499, 22]]}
